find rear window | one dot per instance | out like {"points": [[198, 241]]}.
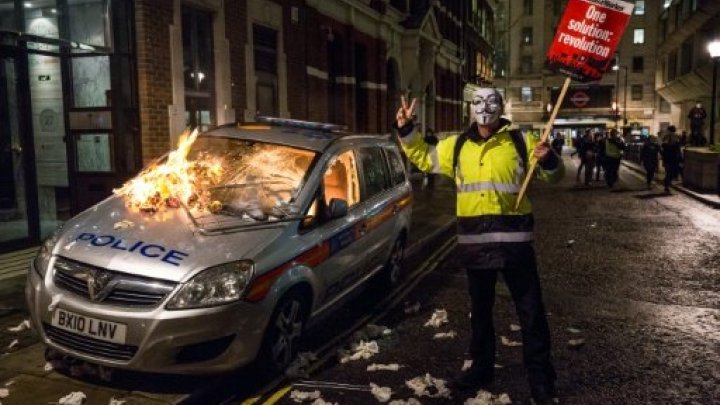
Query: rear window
{"points": [[374, 171], [397, 169]]}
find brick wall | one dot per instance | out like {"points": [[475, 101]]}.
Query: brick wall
{"points": [[152, 21]]}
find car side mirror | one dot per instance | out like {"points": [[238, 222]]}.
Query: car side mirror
{"points": [[338, 208]]}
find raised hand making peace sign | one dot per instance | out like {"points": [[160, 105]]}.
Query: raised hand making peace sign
{"points": [[405, 113]]}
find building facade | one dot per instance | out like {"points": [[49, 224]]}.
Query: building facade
{"points": [[684, 69], [624, 97], [93, 90]]}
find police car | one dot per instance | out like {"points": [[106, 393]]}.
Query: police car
{"points": [[177, 292]]}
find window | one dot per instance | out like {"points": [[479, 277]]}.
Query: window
{"points": [[527, 36], [527, 7], [638, 36], [397, 169], [636, 91], [664, 106], [526, 64], [265, 55], [198, 68], [672, 65], [341, 180], [374, 170], [526, 94], [638, 64], [639, 7], [686, 56]]}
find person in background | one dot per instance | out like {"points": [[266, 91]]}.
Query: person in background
{"points": [[614, 146], [671, 156], [487, 162], [579, 148], [649, 157], [587, 154], [697, 117], [600, 156], [557, 143]]}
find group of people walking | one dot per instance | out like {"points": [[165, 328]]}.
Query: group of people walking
{"points": [[599, 151], [602, 151]]}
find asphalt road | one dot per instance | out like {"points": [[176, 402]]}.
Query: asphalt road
{"points": [[633, 273]]}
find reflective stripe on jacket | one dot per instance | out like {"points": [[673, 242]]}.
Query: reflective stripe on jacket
{"points": [[488, 178]]}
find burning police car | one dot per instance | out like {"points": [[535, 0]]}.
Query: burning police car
{"points": [[224, 251]]}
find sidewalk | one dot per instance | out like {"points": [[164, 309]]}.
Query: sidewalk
{"points": [[712, 200], [25, 373]]}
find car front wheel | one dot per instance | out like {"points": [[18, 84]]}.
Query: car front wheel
{"points": [[283, 334]]}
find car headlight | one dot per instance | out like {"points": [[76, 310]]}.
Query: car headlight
{"points": [[214, 286], [42, 259]]}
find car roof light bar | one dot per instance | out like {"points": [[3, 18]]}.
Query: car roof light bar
{"points": [[287, 122]]}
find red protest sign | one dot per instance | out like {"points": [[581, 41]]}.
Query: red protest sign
{"points": [[587, 37]]}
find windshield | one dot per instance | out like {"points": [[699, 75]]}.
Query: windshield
{"points": [[258, 180]]}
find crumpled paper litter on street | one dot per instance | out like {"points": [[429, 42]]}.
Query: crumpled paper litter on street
{"points": [[363, 350], [576, 342], [382, 394], [487, 398], [515, 327], [114, 401], [299, 366], [13, 344], [304, 396], [574, 330], [445, 335], [428, 386], [73, 398], [509, 342], [383, 367], [438, 318], [21, 327], [4, 392], [466, 365]]}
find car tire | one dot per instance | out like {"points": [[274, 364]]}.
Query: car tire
{"points": [[283, 334], [392, 273]]}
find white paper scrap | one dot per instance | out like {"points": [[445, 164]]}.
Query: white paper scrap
{"points": [[21, 326], [124, 224], [487, 398], [13, 344], [303, 396], [382, 394], [73, 398], [383, 367], [114, 401], [48, 366], [574, 330], [429, 386], [438, 318], [515, 327], [576, 342], [363, 350], [4, 392], [509, 342], [445, 335], [466, 365], [9, 383]]}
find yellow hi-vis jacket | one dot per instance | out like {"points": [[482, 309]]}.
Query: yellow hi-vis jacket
{"points": [[488, 177]]}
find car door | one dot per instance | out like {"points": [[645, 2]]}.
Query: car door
{"points": [[338, 235], [379, 204]]}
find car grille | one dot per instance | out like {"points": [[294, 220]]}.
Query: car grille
{"points": [[89, 345], [114, 288]]}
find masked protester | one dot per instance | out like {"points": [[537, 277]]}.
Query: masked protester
{"points": [[488, 163]]}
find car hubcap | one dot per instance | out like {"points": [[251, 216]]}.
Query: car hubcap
{"points": [[288, 328]]}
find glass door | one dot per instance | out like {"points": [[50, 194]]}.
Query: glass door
{"points": [[14, 225]]}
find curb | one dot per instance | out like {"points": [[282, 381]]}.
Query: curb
{"points": [[695, 195]]}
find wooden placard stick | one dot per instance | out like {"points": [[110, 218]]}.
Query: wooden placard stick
{"points": [[546, 133]]}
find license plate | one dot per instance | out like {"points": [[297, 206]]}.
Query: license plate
{"points": [[91, 327]]}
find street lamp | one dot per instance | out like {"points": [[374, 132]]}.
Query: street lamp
{"points": [[625, 91], [714, 50]]}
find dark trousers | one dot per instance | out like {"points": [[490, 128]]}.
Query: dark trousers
{"points": [[612, 166], [671, 172], [524, 286], [650, 169]]}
